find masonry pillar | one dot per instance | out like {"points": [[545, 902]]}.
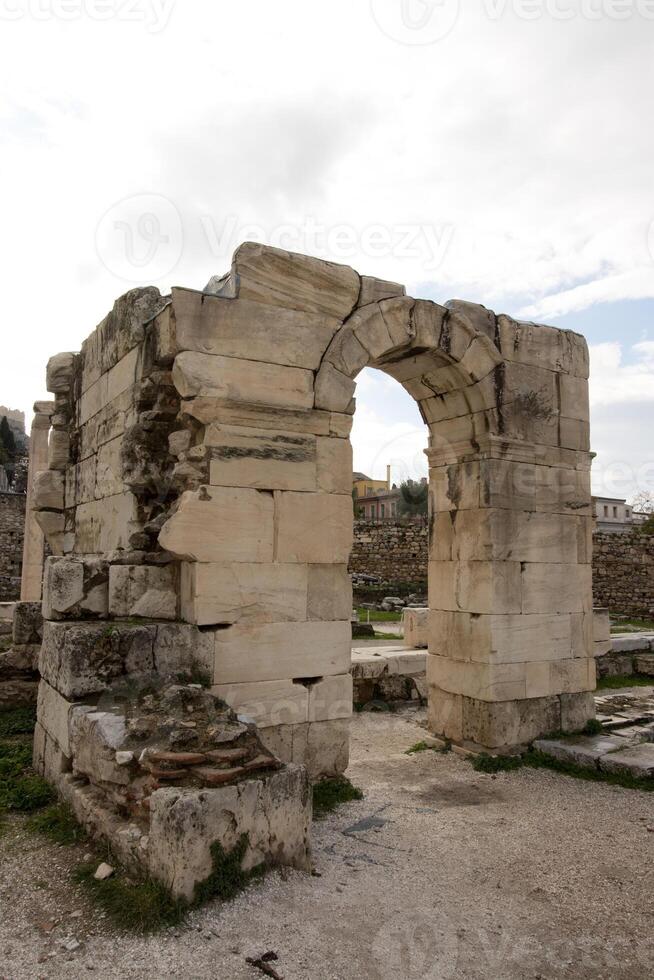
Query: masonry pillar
{"points": [[510, 593], [33, 545]]}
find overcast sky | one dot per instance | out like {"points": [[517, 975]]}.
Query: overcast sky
{"points": [[501, 153]]}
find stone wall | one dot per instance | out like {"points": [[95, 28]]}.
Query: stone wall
{"points": [[623, 572], [12, 527], [394, 551]]}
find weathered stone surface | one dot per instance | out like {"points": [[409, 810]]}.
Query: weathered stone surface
{"points": [[334, 390], [329, 592], [75, 588], [240, 380], [263, 459], [267, 703], [278, 651], [586, 750], [218, 524], [147, 591], [274, 813], [322, 746], [84, 658], [48, 491], [110, 386], [547, 347], [59, 373], [107, 525], [58, 449], [238, 592], [313, 527], [54, 713], [637, 761], [27, 623], [476, 586], [416, 628], [373, 290], [295, 282], [255, 331]]}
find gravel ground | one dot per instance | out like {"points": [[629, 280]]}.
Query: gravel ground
{"points": [[439, 872]]}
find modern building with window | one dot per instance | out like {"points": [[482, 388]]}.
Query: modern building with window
{"points": [[614, 514]]}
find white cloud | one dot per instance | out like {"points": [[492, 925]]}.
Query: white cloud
{"points": [[614, 383]]}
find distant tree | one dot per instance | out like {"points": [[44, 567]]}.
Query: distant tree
{"points": [[413, 498], [7, 448], [643, 502]]}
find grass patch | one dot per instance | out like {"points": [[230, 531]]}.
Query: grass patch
{"points": [[534, 759], [424, 747], [227, 877], [59, 824], [133, 905], [624, 680], [386, 636], [496, 763], [378, 616], [592, 727], [330, 793], [17, 721], [626, 625], [20, 788]]}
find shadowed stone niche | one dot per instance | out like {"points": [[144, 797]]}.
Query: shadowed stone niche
{"points": [[197, 503]]}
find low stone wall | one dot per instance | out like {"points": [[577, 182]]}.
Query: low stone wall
{"points": [[623, 572], [394, 551], [12, 529]]}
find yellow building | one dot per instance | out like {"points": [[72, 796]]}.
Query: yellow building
{"points": [[364, 486]]}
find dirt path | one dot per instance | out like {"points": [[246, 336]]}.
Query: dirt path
{"points": [[439, 872]]}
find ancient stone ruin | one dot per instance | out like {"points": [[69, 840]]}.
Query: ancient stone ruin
{"points": [[197, 503]]}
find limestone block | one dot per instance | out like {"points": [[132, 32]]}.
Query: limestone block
{"points": [[48, 759], [182, 648], [331, 698], [53, 713], [637, 761], [95, 736], [7, 612], [80, 482], [479, 317], [273, 812], [58, 449], [52, 524], [110, 385], [75, 588], [329, 592], [397, 315], [240, 380], [574, 397], [601, 624], [147, 591], [476, 586], [498, 725], [576, 711], [279, 651], [415, 624], [261, 458], [120, 331], [252, 330], [179, 442], [445, 713], [294, 282], [484, 682], [487, 534], [556, 588], [501, 638], [473, 398], [239, 592], [574, 434], [221, 524], [334, 390], [59, 373], [48, 491], [322, 746], [313, 527], [78, 659], [530, 403], [428, 319], [455, 487], [547, 347], [481, 357], [346, 353], [114, 419], [27, 623], [533, 486], [371, 331], [559, 676], [333, 465], [107, 525], [373, 290], [267, 702], [109, 469]]}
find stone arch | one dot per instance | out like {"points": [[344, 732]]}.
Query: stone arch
{"points": [[249, 384]]}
